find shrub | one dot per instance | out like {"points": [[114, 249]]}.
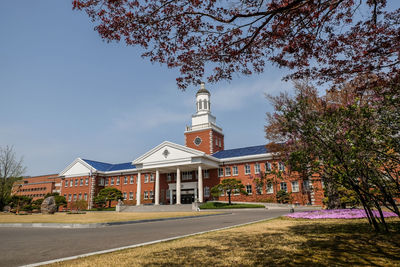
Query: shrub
{"points": [[283, 197]]}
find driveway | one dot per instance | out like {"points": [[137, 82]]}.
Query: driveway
{"points": [[21, 246]]}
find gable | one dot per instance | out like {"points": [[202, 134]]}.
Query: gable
{"points": [[167, 152], [76, 169]]}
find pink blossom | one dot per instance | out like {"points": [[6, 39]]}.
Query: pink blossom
{"points": [[337, 214]]}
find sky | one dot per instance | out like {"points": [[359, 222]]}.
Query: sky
{"points": [[65, 93]]}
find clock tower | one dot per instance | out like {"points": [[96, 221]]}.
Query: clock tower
{"points": [[204, 134]]}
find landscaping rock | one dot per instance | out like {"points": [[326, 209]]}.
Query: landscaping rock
{"points": [[7, 208], [49, 206]]}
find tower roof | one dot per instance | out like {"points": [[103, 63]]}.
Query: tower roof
{"points": [[202, 90]]}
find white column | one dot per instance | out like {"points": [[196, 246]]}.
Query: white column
{"points": [[171, 197], [200, 184], [178, 186], [138, 189], [157, 188]]}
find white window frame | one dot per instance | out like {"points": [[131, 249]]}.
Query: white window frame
{"points": [[206, 174], [130, 195], [125, 195], [235, 171], [151, 177], [151, 195], [87, 181], [112, 181], [81, 182], [132, 180], [228, 171], [146, 195], [295, 186], [269, 188], [118, 180], [146, 178], [85, 196], [125, 180], [66, 183], [106, 182], [281, 166], [257, 168], [220, 172], [247, 169], [268, 166], [249, 192]]}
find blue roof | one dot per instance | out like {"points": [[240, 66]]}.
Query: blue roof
{"points": [[104, 167], [239, 152]]}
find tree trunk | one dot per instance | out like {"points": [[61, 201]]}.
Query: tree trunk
{"points": [[109, 203], [229, 197]]}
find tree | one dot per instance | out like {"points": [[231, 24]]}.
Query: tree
{"points": [[228, 186], [349, 137], [11, 170], [324, 39], [108, 194], [79, 205], [60, 200]]}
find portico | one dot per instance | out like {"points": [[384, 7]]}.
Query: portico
{"points": [[169, 158]]}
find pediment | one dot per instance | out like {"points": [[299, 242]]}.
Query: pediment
{"points": [[77, 167], [168, 151]]}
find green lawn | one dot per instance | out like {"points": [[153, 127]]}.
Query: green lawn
{"points": [[278, 242], [219, 205]]}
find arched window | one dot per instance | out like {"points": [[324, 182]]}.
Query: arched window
{"points": [[200, 104], [205, 104]]}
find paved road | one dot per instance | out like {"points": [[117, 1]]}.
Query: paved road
{"points": [[21, 246]]}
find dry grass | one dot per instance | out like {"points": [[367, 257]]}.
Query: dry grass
{"points": [[94, 217], [285, 242]]}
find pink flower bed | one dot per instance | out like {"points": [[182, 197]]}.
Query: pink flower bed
{"points": [[337, 214]]}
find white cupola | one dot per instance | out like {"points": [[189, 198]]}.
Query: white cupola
{"points": [[203, 100]]}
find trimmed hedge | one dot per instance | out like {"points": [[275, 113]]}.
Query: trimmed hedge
{"points": [[219, 205]]}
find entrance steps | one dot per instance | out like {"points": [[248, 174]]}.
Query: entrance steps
{"points": [[156, 208]]}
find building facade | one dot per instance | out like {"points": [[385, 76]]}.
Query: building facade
{"points": [[38, 186], [177, 174]]}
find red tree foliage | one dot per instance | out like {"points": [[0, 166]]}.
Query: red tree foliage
{"points": [[326, 40]]}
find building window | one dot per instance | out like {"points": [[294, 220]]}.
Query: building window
{"points": [[235, 171], [236, 192], [216, 141], [80, 196], [69, 197], [220, 172], [130, 195], [74, 197], [220, 144], [146, 195], [284, 186], [281, 166], [268, 166], [186, 175], [151, 194], [101, 181], [306, 185], [125, 195], [87, 181], [168, 177], [146, 178], [206, 191], [85, 196], [106, 181], [81, 182], [66, 183], [206, 174], [270, 189], [259, 190], [118, 181], [125, 180], [247, 169], [256, 168], [227, 171], [112, 181], [132, 180], [152, 178], [248, 189], [76, 182], [295, 186]]}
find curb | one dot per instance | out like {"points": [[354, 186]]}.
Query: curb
{"points": [[141, 244], [99, 225]]}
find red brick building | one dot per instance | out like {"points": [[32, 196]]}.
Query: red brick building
{"points": [[38, 186], [175, 174]]}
